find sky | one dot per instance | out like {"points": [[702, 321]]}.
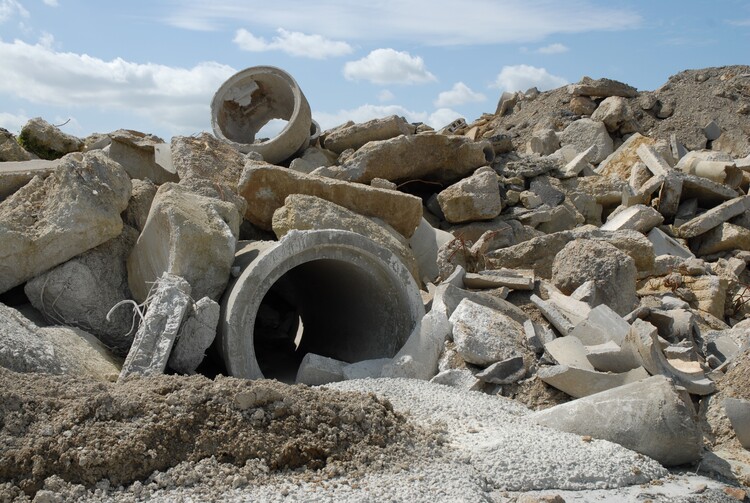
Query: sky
{"points": [[154, 66]]}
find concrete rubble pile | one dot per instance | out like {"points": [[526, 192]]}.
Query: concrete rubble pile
{"points": [[593, 260]]}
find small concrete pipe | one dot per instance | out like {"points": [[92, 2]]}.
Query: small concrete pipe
{"points": [[251, 98], [333, 293], [718, 171]]}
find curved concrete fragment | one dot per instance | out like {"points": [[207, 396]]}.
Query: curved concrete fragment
{"points": [[295, 296], [651, 417], [251, 98], [579, 382]]}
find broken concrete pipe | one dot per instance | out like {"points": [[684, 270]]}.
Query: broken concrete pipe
{"points": [[249, 100], [332, 293]]}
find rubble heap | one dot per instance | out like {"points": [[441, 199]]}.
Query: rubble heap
{"points": [[582, 251]]}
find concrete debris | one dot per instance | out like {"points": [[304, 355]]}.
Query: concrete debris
{"points": [[583, 249]]}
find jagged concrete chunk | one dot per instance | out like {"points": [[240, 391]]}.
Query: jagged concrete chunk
{"points": [[476, 197], [569, 351], [315, 370], [609, 357], [578, 382], [499, 279], [265, 187], [651, 417], [553, 315], [81, 292], [723, 237], [434, 157], [621, 162], [50, 220], [139, 205], [197, 333], [714, 217], [354, 136], [458, 378], [186, 235], [47, 141], [14, 175], [602, 88], [585, 133], [614, 112], [424, 244], [206, 157], [613, 272], [601, 325], [153, 342], [638, 217], [143, 156], [302, 212], [507, 371], [484, 336]]}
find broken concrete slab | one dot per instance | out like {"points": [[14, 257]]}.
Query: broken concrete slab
{"points": [[303, 212], [508, 371], [651, 416], [620, 163], [14, 175], [206, 157], [265, 187], [316, 370], [499, 279], [351, 135], [47, 141], [433, 157], [569, 351], [81, 291], [139, 205], [666, 245], [164, 314], [197, 333], [424, 244], [143, 156], [553, 315], [578, 164], [186, 235], [707, 192], [458, 378], [714, 217], [600, 326], [483, 335], [723, 237], [51, 220], [476, 197], [609, 357], [638, 217], [579, 382]]}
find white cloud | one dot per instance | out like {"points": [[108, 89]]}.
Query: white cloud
{"points": [[459, 94], [386, 95], [172, 97], [364, 113], [553, 49], [740, 22], [523, 77], [51, 3], [11, 8], [293, 43], [388, 66], [13, 122], [430, 22]]}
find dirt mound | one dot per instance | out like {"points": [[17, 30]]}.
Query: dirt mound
{"points": [[683, 106], [83, 431]]}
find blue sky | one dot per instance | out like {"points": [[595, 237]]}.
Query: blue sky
{"points": [[154, 66]]}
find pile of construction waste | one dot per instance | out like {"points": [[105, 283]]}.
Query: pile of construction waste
{"points": [[582, 251]]}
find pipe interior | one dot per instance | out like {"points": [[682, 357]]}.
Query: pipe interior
{"points": [[251, 103], [341, 310]]}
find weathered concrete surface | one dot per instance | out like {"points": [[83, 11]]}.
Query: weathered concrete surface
{"points": [[196, 334], [143, 156], [265, 187], [738, 412], [206, 157], [620, 163], [51, 220], [81, 291], [14, 175], [649, 416], [301, 212], [585, 133], [139, 205], [638, 217], [47, 141], [476, 197], [714, 217], [186, 235], [164, 314], [723, 237], [434, 157], [351, 135]]}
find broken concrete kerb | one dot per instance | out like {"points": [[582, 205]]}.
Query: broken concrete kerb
{"points": [[295, 296], [251, 98]]}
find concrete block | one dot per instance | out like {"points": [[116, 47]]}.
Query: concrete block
{"points": [[143, 156], [569, 351], [498, 279], [666, 245], [650, 416], [609, 357], [195, 336], [578, 382], [476, 197], [637, 217], [600, 326], [316, 370], [155, 337], [714, 217]]}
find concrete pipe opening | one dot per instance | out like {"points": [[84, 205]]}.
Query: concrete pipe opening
{"points": [[253, 97], [332, 293]]}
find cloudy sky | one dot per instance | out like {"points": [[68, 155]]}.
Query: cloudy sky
{"points": [[154, 65]]}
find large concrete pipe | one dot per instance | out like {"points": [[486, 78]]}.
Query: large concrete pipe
{"points": [[332, 293], [249, 99]]}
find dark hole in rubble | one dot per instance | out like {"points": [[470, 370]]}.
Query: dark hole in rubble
{"points": [[328, 307]]}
